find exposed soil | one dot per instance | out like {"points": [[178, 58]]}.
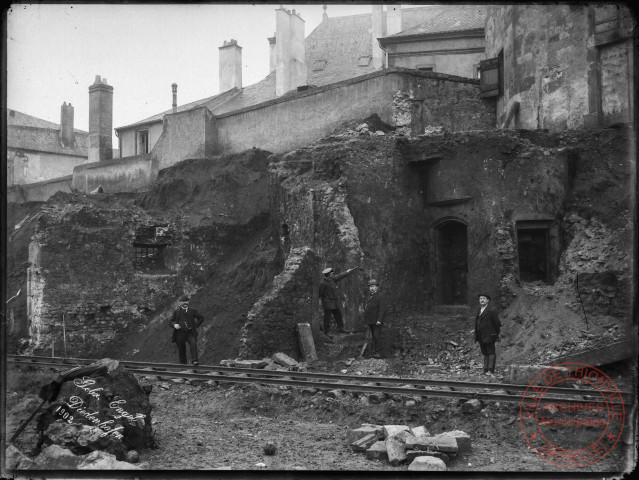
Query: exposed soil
{"points": [[202, 427]]}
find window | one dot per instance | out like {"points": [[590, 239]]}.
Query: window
{"points": [[535, 246], [491, 79], [319, 65], [364, 61], [142, 146], [606, 24], [148, 258]]}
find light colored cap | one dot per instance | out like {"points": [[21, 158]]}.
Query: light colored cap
{"points": [[326, 271]]}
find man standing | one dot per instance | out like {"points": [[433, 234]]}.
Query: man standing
{"points": [[374, 313], [328, 297], [487, 326], [185, 322]]}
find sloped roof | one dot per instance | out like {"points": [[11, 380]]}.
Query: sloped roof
{"points": [[456, 18], [47, 140], [27, 132], [338, 42]]}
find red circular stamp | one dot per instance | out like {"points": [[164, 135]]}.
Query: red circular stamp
{"points": [[574, 428]]}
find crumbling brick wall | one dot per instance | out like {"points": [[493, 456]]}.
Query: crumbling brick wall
{"points": [[271, 324]]}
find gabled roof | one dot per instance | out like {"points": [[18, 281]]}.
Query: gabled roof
{"points": [[456, 18], [27, 132], [46, 140], [342, 44]]}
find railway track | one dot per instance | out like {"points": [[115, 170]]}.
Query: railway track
{"points": [[328, 381]]}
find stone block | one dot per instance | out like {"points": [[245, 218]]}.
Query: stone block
{"points": [[284, 360], [54, 457], [464, 443], [377, 397], [395, 450], [250, 363], [335, 394], [377, 451], [524, 374], [390, 430], [420, 431], [403, 436], [472, 406], [427, 464], [361, 432], [438, 443], [364, 443], [413, 454]]}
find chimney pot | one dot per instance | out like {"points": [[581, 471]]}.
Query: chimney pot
{"points": [[230, 66], [174, 90]]}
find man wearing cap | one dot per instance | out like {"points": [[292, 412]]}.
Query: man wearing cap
{"points": [[487, 326], [328, 297], [185, 322], [374, 313]]}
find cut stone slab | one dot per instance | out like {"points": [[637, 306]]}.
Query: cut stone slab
{"points": [[413, 454], [356, 434], [464, 443], [472, 406], [438, 443], [390, 430], [420, 431], [427, 464], [395, 450], [284, 360], [364, 443], [250, 363], [377, 451], [403, 436], [524, 374]]}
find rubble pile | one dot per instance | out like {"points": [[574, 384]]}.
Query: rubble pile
{"points": [[415, 446]]}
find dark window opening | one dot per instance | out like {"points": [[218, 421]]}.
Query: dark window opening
{"points": [[148, 258], [534, 258], [143, 142], [452, 263]]}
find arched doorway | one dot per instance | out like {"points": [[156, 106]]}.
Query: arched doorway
{"points": [[451, 259]]}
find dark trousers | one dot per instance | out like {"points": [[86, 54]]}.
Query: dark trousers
{"points": [[376, 333], [181, 339], [487, 348], [338, 319]]}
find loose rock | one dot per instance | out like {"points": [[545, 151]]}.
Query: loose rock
{"points": [[427, 464]]}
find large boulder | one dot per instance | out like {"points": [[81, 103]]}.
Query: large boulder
{"points": [[115, 404], [54, 457], [16, 460]]}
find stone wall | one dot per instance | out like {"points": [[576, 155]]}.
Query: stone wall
{"points": [[271, 324], [129, 174], [39, 191], [40, 166]]}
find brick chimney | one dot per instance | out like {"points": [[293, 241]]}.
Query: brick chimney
{"points": [[377, 32], [100, 120], [290, 51], [67, 133], [393, 19], [230, 66], [174, 90], [272, 54]]}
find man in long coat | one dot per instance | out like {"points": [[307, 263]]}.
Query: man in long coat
{"points": [[487, 326], [329, 297], [374, 315], [185, 322]]}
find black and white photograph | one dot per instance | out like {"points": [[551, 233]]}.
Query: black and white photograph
{"points": [[341, 239]]}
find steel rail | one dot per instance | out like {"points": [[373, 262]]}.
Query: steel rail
{"points": [[163, 367], [260, 376]]}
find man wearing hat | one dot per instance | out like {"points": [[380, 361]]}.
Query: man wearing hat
{"points": [[487, 326], [374, 313], [328, 297], [185, 322]]}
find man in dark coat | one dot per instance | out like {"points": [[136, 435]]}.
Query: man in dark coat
{"points": [[329, 299], [374, 314], [487, 326], [185, 322]]}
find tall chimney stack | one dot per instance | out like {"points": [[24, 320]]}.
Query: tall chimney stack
{"points": [[100, 120], [174, 90], [230, 66], [393, 19], [272, 54], [290, 51], [377, 32], [67, 133]]}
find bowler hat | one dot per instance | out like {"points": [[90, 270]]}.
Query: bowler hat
{"points": [[326, 271], [184, 298], [372, 281], [484, 295]]}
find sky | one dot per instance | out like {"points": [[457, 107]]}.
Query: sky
{"points": [[54, 52]]}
